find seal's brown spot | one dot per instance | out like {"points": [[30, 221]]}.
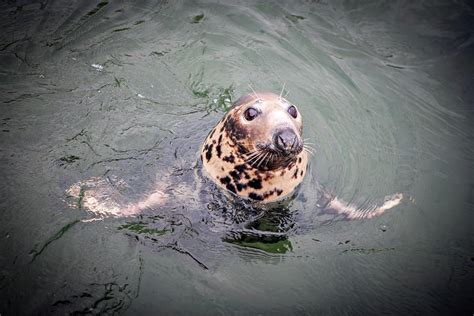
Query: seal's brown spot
{"points": [[295, 175], [239, 132], [266, 195], [235, 175], [255, 183], [255, 196], [225, 180], [241, 186], [212, 132], [240, 168], [242, 150], [229, 158], [209, 152], [231, 188]]}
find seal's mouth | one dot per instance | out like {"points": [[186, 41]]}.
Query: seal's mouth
{"points": [[284, 148]]}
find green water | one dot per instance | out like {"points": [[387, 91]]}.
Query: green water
{"points": [[131, 89]]}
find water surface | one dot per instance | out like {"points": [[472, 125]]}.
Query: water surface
{"points": [[129, 90]]}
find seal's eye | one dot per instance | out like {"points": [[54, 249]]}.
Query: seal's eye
{"points": [[250, 114], [293, 111]]}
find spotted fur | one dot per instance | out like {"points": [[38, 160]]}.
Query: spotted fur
{"points": [[225, 151]]}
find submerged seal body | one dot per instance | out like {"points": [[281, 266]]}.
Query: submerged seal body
{"points": [[256, 150]]}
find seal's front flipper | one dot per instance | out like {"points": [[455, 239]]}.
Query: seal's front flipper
{"points": [[103, 197], [333, 204], [151, 201]]}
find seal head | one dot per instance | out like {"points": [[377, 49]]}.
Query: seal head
{"points": [[256, 150]]}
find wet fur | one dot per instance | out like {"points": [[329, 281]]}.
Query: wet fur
{"points": [[226, 155]]}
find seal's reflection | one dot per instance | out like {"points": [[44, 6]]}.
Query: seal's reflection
{"points": [[268, 233], [266, 229]]}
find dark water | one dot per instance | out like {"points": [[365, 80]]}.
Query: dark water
{"points": [[130, 90]]}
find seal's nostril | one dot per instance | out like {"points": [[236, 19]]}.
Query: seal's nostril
{"points": [[281, 142], [285, 140], [293, 143]]}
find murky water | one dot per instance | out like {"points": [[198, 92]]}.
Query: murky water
{"points": [[129, 91]]}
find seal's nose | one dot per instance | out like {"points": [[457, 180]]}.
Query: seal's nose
{"points": [[286, 140]]}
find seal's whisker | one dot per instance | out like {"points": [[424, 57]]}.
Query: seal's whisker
{"points": [[257, 163], [270, 158], [267, 159], [254, 92], [252, 154], [287, 93], [287, 160], [308, 151], [282, 89], [262, 160], [254, 159], [309, 147]]}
